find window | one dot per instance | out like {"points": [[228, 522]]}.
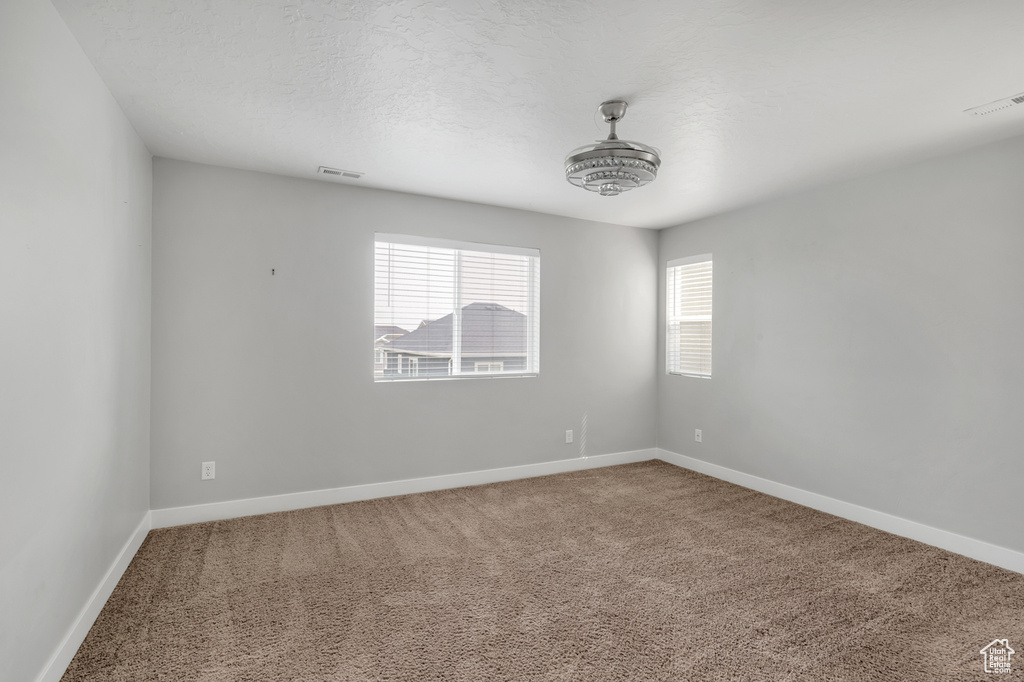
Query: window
{"points": [[688, 316], [412, 366], [488, 366], [455, 309]]}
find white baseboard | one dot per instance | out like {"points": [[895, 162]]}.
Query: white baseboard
{"points": [[216, 511], [960, 544], [61, 658], [162, 518]]}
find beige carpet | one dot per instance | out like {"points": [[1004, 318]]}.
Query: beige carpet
{"points": [[635, 572]]}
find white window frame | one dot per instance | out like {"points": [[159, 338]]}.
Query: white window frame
{"points": [[673, 362], [532, 368]]}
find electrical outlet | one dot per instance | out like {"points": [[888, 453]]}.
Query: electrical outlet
{"points": [[209, 470], [697, 436], [568, 435]]}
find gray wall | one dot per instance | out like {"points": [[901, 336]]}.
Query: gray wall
{"points": [[75, 215], [272, 376], [868, 343]]}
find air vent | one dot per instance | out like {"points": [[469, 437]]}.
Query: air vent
{"points": [[998, 105], [338, 173]]}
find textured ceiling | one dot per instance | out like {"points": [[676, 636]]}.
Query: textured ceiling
{"points": [[480, 100]]}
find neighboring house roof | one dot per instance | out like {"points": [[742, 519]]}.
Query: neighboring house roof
{"points": [[380, 330], [487, 329]]}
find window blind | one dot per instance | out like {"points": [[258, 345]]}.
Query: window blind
{"points": [[688, 316], [447, 309]]}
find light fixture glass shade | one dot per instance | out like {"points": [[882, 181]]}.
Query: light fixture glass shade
{"points": [[610, 167]]}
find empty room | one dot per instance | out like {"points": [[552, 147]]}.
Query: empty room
{"points": [[696, 344]]}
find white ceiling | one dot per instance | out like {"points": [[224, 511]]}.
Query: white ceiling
{"points": [[480, 100]]}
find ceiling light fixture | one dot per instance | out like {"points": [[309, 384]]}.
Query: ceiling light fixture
{"points": [[613, 166]]}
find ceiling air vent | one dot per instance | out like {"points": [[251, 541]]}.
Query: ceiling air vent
{"points": [[996, 106], [338, 173]]}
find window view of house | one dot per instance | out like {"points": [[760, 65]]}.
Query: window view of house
{"points": [[383, 334], [449, 309]]}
